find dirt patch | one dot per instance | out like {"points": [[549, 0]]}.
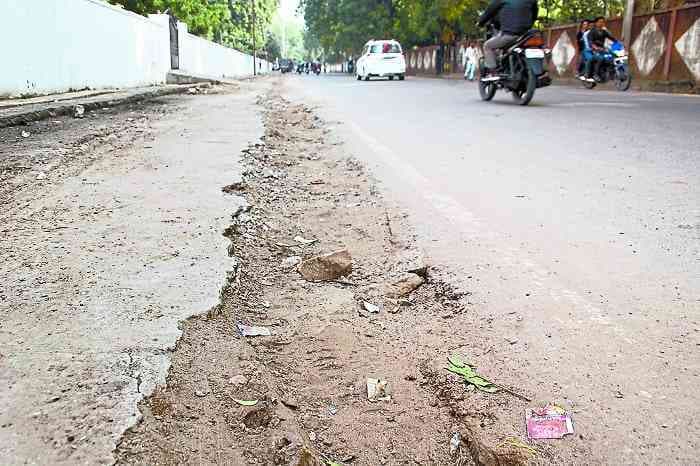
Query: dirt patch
{"points": [[308, 380], [37, 154]]}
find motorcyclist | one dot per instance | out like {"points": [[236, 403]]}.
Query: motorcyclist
{"points": [[584, 26], [515, 17], [595, 40]]}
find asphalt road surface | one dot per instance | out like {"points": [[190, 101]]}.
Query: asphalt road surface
{"points": [[576, 224]]}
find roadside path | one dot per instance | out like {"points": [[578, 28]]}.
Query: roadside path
{"points": [[97, 270]]}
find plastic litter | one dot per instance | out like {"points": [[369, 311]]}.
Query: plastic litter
{"points": [[291, 261], [371, 308], [454, 443], [302, 240], [378, 390], [246, 402], [548, 422], [251, 331]]}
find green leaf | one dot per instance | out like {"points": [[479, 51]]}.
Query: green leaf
{"points": [[457, 366], [246, 402], [456, 361]]}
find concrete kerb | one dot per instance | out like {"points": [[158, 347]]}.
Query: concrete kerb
{"points": [[20, 117]]}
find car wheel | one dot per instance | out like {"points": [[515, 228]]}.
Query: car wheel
{"points": [[391, 78], [359, 78], [402, 77]]}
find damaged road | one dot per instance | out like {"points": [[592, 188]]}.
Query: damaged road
{"points": [[241, 278], [350, 303], [102, 256]]}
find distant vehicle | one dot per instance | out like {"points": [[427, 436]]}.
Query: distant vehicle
{"points": [[381, 58], [286, 65], [614, 68]]}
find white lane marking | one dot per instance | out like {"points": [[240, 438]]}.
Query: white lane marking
{"points": [[594, 104], [467, 222]]}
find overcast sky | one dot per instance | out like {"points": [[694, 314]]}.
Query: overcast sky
{"points": [[288, 8]]}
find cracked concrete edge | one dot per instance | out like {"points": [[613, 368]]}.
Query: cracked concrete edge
{"points": [[140, 360], [161, 378], [68, 108], [158, 361], [309, 456]]}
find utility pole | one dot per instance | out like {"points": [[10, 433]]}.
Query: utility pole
{"points": [[627, 24], [255, 59], [284, 38]]}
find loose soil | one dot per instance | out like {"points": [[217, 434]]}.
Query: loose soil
{"points": [[309, 378]]}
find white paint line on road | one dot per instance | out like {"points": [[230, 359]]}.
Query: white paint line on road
{"points": [[467, 222], [595, 104]]}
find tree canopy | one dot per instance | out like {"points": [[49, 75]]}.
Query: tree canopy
{"points": [[286, 38], [343, 26], [228, 22]]}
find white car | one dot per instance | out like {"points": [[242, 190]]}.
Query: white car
{"points": [[381, 58]]}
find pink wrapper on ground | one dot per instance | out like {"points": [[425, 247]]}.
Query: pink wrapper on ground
{"points": [[551, 422]]}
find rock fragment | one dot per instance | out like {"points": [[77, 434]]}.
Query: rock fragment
{"points": [[403, 286], [327, 267]]}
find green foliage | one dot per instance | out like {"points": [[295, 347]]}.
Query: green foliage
{"points": [[228, 22], [237, 31], [343, 26], [570, 11], [286, 33]]}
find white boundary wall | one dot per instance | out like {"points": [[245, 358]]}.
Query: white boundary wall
{"points": [[202, 57], [49, 46]]}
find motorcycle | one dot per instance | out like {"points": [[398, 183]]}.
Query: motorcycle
{"points": [[614, 68], [521, 69]]}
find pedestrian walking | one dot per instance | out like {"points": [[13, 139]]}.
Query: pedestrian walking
{"points": [[470, 60]]}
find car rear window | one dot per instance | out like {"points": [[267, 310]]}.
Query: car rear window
{"points": [[386, 47]]}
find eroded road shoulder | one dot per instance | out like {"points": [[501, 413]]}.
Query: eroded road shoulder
{"points": [[300, 395], [111, 236]]}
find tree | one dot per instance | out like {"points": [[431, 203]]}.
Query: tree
{"points": [[237, 32], [288, 35], [228, 22], [343, 26]]}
